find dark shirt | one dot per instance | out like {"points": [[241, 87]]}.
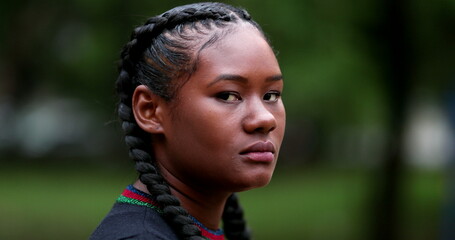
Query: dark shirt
{"points": [[128, 221], [136, 215]]}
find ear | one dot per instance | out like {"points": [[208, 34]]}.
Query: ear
{"points": [[147, 109]]}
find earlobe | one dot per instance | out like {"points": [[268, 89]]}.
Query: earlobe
{"points": [[147, 109]]}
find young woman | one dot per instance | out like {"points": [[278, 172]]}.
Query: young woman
{"points": [[200, 106]]}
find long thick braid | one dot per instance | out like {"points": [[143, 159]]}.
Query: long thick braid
{"points": [[234, 223], [152, 59], [140, 151], [139, 143]]}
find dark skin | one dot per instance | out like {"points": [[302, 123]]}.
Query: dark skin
{"points": [[223, 131]]}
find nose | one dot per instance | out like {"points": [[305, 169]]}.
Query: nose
{"points": [[259, 119]]}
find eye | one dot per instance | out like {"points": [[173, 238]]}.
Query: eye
{"points": [[272, 96], [229, 96]]}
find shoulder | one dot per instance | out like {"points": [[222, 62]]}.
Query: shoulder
{"points": [[127, 221]]}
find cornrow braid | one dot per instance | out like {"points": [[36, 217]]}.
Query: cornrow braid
{"points": [[158, 53]]}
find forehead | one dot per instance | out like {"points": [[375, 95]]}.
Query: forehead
{"points": [[243, 50]]}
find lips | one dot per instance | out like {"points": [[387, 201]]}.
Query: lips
{"points": [[260, 152]]}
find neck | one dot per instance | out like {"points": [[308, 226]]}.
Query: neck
{"points": [[206, 206]]}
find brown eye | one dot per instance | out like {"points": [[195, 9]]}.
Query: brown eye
{"points": [[272, 96], [229, 96]]}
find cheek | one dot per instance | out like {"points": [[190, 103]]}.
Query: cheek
{"points": [[204, 128], [283, 123], [280, 116], [211, 121]]}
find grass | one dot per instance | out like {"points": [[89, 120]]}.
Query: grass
{"points": [[315, 204], [308, 205]]}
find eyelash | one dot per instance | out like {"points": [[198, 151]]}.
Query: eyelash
{"points": [[277, 96], [225, 96]]}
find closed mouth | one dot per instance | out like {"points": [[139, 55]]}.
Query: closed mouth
{"points": [[259, 147]]}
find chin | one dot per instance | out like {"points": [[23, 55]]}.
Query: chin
{"points": [[254, 181]]}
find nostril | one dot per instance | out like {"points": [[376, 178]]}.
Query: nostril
{"points": [[264, 129], [259, 119]]}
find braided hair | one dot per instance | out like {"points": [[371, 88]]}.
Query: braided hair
{"points": [[160, 51]]}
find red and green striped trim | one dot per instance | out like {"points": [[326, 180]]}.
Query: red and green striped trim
{"points": [[134, 196]]}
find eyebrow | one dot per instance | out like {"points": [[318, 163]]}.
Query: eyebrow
{"points": [[241, 79]]}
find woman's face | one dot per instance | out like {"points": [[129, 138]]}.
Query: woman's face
{"points": [[225, 127]]}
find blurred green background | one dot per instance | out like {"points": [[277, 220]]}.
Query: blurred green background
{"points": [[369, 92]]}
